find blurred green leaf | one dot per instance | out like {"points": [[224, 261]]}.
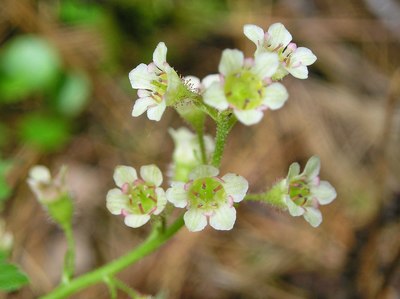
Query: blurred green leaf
{"points": [[4, 135], [5, 189], [27, 64], [11, 277], [73, 94], [47, 133], [79, 12]]}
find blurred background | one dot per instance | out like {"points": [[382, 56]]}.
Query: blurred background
{"points": [[65, 98]]}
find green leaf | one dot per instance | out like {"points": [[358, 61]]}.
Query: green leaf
{"points": [[28, 63], [47, 133], [11, 277], [5, 189], [73, 94]]}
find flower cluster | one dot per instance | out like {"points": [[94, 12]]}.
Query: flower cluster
{"points": [[244, 86]]}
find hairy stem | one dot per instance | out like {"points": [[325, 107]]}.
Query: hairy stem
{"points": [[110, 269], [225, 123], [69, 259]]}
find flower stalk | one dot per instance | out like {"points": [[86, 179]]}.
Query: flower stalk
{"points": [[148, 246]]}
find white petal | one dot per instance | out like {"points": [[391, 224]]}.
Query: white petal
{"points": [[303, 55], [231, 61], [278, 36], [177, 195], [143, 93], [40, 174], [208, 80], [151, 174], [133, 220], [311, 170], [224, 218], [236, 186], [203, 171], [313, 216], [195, 220], [124, 174], [254, 33], [161, 201], [116, 201], [141, 78], [299, 72], [155, 113], [294, 170], [160, 55], [141, 105], [324, 192], [275, 96], [294, 209], [265, 64], [215, 97], [249, 117]]}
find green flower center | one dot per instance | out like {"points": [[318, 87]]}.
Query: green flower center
{"points": [[299, 192], [207, 194], [142, 198], [160, 87], [244, 90]]}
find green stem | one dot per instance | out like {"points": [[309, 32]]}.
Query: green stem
{"points": [[200, 136], [255, 197], [112, 287], [108, 270], [69, 259], [225, 123], [126, 289]]}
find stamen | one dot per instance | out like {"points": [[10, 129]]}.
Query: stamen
{"points": [[246, 103], [152, 198], [203, 185], [152, 210], [141, 207], [216, 189]]}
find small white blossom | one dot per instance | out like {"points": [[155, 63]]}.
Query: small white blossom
{"points": [[46, 188], [304, 192], [136, 199], [6, 238], [208, 198], [277, 39], [245, 86], [187, 148], [157, 84]]}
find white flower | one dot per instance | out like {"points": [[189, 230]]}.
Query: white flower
{"points": [[304, 192], [157, 85], [277, 39], [136, 199], [245, 86], [187, 148], [46, 188], [208, 197]]}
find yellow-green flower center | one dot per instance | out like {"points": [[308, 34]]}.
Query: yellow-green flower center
{"points": [[142, 198], [299, 191], [244, 90], [207, 193], [159, 87]]}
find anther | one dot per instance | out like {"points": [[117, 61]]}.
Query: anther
{"points": [[216, 189]]}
